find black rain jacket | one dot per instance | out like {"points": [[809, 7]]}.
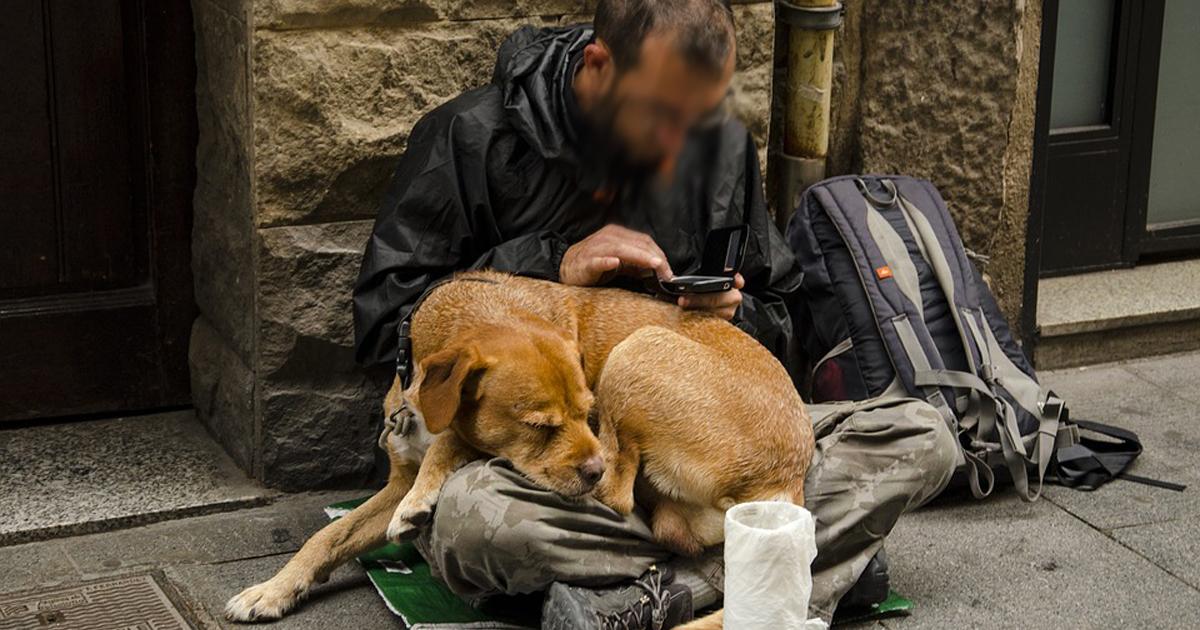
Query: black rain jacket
{"points": [[502, 176]]}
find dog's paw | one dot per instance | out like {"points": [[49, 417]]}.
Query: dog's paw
{"points": [[611, 494], [267, 601], [407, 522], [623, 505]]}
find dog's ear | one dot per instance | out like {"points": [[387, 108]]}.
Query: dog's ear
{"points": [[445, 373]]}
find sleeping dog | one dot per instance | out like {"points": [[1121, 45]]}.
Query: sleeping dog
{"points": [[584, 390]]}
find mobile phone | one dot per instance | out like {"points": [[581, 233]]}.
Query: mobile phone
{"points": [[721, 259], [687, 285]]}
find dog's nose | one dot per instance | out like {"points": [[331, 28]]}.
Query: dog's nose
{"points": [[592, 470]]}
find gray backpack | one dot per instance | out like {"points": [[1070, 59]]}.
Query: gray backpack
{"points": [[891, 305]]}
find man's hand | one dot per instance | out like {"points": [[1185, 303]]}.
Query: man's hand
{"points": [[609, 251], [723, 304]]}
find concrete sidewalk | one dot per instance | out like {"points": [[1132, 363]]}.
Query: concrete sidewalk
{"points": [[1123, 556]]}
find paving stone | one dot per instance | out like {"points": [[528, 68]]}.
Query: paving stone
{"points": [[1167, 426], [80, 477], [1003, 563], [271, 530], [347, 600], [35, 564], [1172, 545], [1179, 374]]}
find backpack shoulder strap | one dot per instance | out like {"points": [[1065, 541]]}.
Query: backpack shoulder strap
{"points": [[889, 280], [989, 366]]}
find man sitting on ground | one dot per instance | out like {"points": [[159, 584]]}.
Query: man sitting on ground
{"points": [[599, 153]]}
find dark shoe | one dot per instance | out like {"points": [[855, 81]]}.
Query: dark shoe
{"points": [[872, 586], [650, 602]]}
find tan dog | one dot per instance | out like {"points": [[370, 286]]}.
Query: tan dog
{"points": [[506, 366]]}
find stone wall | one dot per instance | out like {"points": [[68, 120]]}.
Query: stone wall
{"points": [[305, 106]]}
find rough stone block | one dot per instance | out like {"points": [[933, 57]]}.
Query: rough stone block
{"points": [[334, 109], [938, 97], [238, 9], [845, 104], [755, 28], [306, 276], [317, 14], [223, 393], [320, 413], [321, 433], [222, 231], [938, 107], [1009, 246]]}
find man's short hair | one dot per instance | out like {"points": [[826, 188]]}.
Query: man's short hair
{"points": [[702, 29]]}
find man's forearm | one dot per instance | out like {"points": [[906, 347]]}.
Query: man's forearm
{"points": [[537, 255]]}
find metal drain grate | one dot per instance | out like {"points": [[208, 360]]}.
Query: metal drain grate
{"points": [[132, 602]]}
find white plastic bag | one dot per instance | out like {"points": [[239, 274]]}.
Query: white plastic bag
{"points": [[769, 549]]}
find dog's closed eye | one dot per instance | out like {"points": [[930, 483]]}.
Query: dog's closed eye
{"points": [[542, 419]]}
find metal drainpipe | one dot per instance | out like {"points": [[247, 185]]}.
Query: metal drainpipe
{"points": [[810, 26]]}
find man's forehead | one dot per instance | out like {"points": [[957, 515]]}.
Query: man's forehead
{"points": [[661, 61], [666, 45]]}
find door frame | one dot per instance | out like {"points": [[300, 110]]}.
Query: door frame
{"points": [[1030, 333]]}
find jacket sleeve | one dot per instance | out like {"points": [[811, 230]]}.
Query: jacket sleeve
{"points": [[537, 255], [436, 218], [771, 273], [422, 232]]}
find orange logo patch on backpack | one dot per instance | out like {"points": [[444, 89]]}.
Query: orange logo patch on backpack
{"points": [[883, 272]]}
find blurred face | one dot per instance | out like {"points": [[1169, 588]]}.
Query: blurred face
{"points": [[649, 109]]}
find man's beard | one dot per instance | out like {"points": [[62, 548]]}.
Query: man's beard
{"points": [[610, 150]]}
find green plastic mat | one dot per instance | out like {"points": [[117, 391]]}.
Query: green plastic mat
{"points": [[422, 602], [895, 605]]}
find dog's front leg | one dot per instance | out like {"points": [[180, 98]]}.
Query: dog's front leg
{"points": [[447, 454], [616, 486], [359, 531]]}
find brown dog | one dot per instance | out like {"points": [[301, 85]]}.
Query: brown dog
{"points": [[506, 366]]}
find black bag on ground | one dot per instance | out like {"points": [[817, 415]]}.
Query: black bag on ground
{"points": [[891, 305]]}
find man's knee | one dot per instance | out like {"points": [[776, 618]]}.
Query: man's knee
{"points": [[494, 532], [475, 543], [473, 512], [902, 453], [935, 449]]}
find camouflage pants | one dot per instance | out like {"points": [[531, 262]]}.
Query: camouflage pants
{"points": [[494, 532]]}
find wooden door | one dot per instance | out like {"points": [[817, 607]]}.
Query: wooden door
{"points": [[97, 141]]}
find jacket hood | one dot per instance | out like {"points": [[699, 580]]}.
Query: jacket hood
{"points": [[534, 68]]}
